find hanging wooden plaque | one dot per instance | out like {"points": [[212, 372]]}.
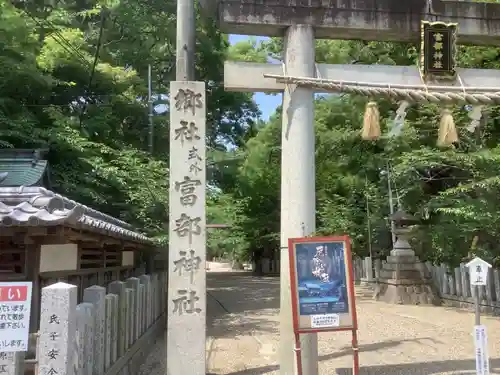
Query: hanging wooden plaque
{"points": [[438, 50]]}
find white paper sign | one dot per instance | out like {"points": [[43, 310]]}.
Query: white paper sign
{"points": [[478, 271], [325, 320], [15, 310], [481, 345]]}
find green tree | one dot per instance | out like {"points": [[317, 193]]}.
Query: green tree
{"points": [[451, 191], [74, 79]]}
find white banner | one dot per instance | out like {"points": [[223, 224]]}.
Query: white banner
{"points": [[481, 345]]}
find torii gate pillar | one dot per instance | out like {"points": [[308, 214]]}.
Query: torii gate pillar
{"points": [[298, 195]]}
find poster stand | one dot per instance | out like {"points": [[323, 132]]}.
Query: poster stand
{"points": [[346, 321], [298, 353]]}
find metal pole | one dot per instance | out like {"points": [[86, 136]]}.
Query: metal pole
{"points": [[477, 312], [368, 219], [150, 114], [186, 39], [369, 228], [391, 205]]}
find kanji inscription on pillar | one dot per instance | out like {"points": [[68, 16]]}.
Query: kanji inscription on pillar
{"points": [[187, 229]]}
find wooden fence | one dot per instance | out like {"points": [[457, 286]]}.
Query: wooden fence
{"points": [[452, 284], [109, 333]]}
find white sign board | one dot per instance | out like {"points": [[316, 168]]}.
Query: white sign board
{"points": [[478, 271], [15, 310], [325, 320], [481, 345]]}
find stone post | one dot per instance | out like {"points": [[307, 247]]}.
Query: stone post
{"points": [[111, 324], [146, 282], [451, 283], [445, 287], [89, 338], [156, 296], [163, 291], [152, 299], [57, 330], [84, 348], [298, 195], [369, 269], [496, 283], [133, 283], [458, 281], [96, 295], [490, 289], [186, 328], [265, 266], [129, 312], [142, 308], [12, 363], [118, 288], [464, 280], [378, 266]]}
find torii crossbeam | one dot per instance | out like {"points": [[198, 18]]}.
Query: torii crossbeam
{"points": [[249, 77], [383, 20]]}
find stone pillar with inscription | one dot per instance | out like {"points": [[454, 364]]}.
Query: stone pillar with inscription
{"points": [[187, 233], [57, 330]]}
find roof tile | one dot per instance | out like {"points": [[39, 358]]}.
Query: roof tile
{"points": [[36, 206]]}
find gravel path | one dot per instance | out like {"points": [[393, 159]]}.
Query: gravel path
{"points": [[243, 337]]}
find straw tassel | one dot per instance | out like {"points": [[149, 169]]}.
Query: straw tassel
{"points": [[447, 134], [371, 122]]}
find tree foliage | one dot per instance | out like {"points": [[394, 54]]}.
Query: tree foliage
{"points": [[74, 80], [452, 192]]}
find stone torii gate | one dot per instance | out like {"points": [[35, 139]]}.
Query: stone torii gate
{"points": [[300, 23]]}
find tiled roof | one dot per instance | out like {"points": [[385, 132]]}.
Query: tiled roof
{"points": [[22, 171], [36, 206]]}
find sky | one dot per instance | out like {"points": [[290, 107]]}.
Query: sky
{"points": [[267, 103]]}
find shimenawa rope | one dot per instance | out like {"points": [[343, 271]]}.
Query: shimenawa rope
{"points": [[410, 95]]}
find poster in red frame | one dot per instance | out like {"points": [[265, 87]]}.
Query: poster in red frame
{"points": [[322, 284]]}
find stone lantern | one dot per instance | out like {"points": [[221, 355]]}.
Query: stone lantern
{"points": [[403, 226], [402, 280]]}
